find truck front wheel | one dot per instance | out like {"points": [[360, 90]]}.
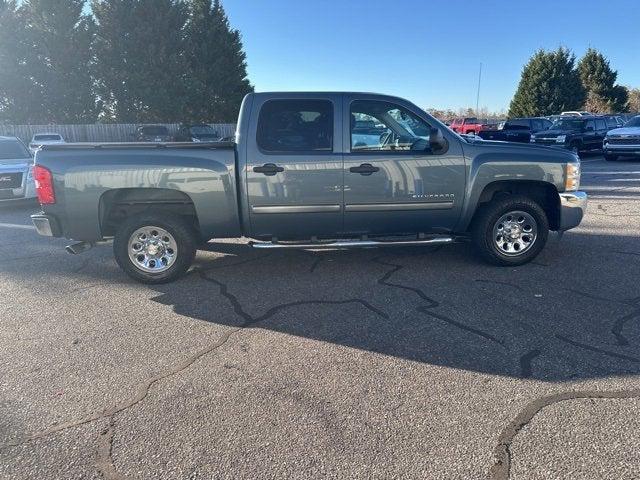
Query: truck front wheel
{"points": [[511, 231], [154, 248]]}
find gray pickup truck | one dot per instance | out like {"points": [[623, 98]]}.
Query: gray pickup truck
{"points": [[309, 170]]}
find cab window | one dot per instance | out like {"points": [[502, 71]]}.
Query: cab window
{"points": [[383, 126], [296, 126]]}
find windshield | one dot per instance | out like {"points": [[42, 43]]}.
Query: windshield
{"points": [[46, 138], [634, 122], [155, 131], [12, 149], [568, 124], [202, 130]]}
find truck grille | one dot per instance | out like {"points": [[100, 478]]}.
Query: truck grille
{"points": [[10, 180], [624, 141]]}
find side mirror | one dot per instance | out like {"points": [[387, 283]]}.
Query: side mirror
{"points": [[588, 129], [437, 142]]}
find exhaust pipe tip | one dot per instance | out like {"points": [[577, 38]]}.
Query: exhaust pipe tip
{"points": [[78, 248]]}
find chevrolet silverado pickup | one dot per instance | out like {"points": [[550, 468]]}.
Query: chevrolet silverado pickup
{"points": [[309, 171]]}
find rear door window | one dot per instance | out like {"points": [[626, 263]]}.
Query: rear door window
{"points": [[13, 149], [296, 126], [600, 124]]}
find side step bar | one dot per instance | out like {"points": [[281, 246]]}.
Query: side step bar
{"points": [[439, 240]]}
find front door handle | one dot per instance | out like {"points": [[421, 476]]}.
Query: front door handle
{"points": [[364, 169], [269, 169]]}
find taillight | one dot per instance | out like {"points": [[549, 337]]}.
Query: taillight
{"points": [[44, 185]]}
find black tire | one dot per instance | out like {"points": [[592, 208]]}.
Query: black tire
{"points": [[185, 241], [610, 158], [482, 230]]}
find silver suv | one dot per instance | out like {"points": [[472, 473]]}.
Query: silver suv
{"points": [[16, 176]]}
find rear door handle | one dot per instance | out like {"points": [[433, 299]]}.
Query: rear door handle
{"points": [[364, 169], [269, 169]]}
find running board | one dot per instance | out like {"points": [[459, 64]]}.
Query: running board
{"points": [[440, 240]]}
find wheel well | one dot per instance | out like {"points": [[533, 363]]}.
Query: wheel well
{"points": [[543, 193], [119, 204]]}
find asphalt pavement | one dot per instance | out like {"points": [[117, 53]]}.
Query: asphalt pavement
{"points": [[378, 363]]}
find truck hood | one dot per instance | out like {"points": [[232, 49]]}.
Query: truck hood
{"points": [[555, 132], [523, 149], [617, 132]]}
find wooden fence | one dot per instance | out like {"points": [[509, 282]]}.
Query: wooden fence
{"points": [[108, 132]]}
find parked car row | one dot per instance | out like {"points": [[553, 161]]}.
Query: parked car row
{"points": [[575, 131], [187, 132]]}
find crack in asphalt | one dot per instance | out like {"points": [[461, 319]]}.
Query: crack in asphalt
{"points": [[619, 323], [526, 369], [501, 469], [104, 461], [428, 309], [144, 387], [251, 320], [591, 348]]}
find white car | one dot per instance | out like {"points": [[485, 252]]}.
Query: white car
{"points": [[40, 139], [16, 170]]}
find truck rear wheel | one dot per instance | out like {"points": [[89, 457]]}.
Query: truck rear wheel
{"points": [[154, 248], [511, 231]]}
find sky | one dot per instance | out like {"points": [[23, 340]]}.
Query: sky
{"points": [[426, 51]]}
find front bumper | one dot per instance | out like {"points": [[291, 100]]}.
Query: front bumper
{"points": [[617, 149], [573, 206], [46, 225]]}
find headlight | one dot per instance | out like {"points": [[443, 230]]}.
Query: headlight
{"points": [[194, 139], [532, 139], [561, 138], [572, 177]]}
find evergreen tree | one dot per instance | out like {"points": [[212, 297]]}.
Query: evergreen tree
{"points": [[45, 55], [549, 85], [140, 66], [217, 69], [9, 61], [598, 80]]}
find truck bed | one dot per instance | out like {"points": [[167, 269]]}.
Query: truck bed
{"points": [[92, 179]]}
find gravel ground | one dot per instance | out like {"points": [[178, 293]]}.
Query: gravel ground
{"points": [[391, 363]]}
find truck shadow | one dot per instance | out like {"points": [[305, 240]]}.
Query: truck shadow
{"points": [[571, 314]]}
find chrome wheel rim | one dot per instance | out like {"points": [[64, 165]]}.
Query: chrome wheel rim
{"points": [[515, 233], [152, 249]]}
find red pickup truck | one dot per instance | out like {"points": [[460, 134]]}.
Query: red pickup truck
{"points": [[470, 125]]}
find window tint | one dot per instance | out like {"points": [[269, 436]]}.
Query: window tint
{"points": [[516, 124], [45, 138], [590, 125], [384, 126], [296, 126], [600, 124], [13, 149]]}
